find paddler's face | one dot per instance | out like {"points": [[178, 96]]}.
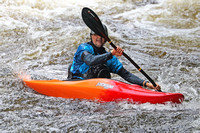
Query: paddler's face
{"points": [[98, 40]]}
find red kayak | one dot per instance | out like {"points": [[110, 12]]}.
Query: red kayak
{"points": [[102, 90]]}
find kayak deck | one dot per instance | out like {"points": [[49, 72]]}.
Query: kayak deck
{"points": [[102, 90]]}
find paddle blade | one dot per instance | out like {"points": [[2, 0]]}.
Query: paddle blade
{"points": [[93, 22]]}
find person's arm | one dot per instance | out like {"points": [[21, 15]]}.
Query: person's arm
{"points": [[90, 59], [130, 77], [136, 80]]}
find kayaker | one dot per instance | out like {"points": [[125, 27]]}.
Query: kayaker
{"points": [[91, 60]]}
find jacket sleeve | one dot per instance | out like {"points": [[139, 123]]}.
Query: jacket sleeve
{"points": [[91, 60], [130, 77]]}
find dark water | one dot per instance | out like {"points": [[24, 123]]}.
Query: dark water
{"points": [[40, 37]]}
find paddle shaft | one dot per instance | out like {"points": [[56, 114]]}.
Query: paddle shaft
{"points": [[133, 62]]}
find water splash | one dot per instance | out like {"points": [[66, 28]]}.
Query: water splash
{"points": [[39, 37]]}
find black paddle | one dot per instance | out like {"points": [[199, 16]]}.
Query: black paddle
{"points": [[94, 23]]}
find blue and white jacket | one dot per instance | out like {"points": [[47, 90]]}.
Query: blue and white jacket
{"points": [[88, 55]]}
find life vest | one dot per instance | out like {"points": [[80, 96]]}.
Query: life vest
{"points": [[81, 70]]}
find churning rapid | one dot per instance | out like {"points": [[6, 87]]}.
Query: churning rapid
{"points": [[39, 38]]}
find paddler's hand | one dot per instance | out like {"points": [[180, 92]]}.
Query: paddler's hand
{"points": [[150, 85], [118, 51]]}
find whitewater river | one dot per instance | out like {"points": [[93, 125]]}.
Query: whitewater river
{"points": [[39, 38]]}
